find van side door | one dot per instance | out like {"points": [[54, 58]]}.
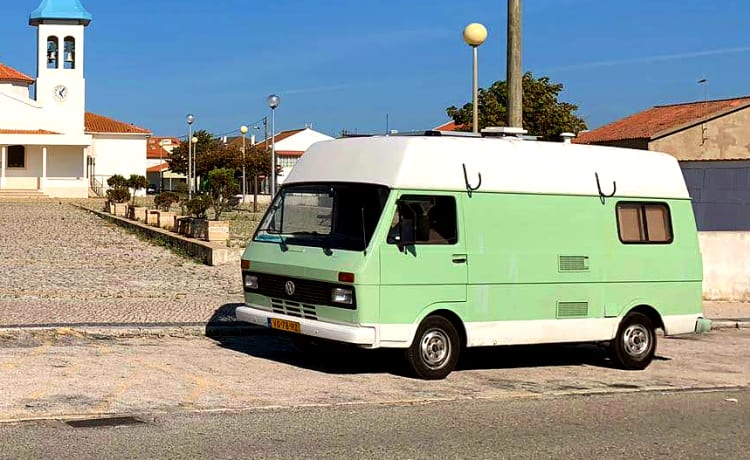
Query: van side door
{"points": [[430, 265]]}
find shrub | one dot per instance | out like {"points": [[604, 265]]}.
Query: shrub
{"points": [[118, 195], [165, 200], [222, 188], [198, 206], [117, 181]]}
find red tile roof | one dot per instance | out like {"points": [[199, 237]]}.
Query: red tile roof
{"points": [[449, 126], [158, 168], [155, 150], [101, 124], [266, 144], [661, 120], [11, 74], [26, 131], [289, 153]]}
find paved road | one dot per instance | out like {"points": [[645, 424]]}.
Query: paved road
{"points": [[713, 425], [67, 374], [60, 264]]}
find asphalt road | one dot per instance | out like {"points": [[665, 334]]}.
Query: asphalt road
{"points": [[684, 425]]}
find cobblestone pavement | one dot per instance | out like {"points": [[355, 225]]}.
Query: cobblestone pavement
{"points": [[62, 265]]}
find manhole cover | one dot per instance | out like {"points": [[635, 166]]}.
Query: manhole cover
{"points": [[104, 422]]}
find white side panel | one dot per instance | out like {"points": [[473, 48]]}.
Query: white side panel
{"points": [[540, 331], [680, 324]]}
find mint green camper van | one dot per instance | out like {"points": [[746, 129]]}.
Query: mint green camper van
{"points": [[434, 243]]}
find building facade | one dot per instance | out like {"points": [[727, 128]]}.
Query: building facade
{"points": [[49, 144]]}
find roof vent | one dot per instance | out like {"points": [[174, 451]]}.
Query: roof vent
{"points": [[503, 131], [567, 137]]}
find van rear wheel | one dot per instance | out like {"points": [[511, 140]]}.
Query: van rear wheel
{"points": [[634, 345], [434, 351]]}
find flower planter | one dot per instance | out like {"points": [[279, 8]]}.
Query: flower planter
{"points": [[138, 213], [183, 225], [152, 218], [166, 219], [119, 209], [210, 230]]}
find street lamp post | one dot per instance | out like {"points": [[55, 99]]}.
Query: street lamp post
{"points": [[190, 120], [194, 141], [273, 102], [474, 35], [243, 130]]}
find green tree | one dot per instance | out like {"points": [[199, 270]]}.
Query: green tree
{"points": [[136, 182], [543, 114], [222, 188], [206, 145]]}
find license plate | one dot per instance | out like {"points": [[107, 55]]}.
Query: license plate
{"points": [[284, 325]]}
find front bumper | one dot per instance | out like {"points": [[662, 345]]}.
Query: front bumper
{"points": [[359, 335]]}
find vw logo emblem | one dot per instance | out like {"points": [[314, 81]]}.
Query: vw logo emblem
{"points": [[289, 288]]}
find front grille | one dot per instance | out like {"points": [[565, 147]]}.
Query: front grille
{"points": [[300, 310], [305, 291]]}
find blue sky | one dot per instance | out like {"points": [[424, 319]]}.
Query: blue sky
{"points": [[348, 64]]}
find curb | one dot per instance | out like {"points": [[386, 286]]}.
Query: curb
{"points": [[124, 331], [740, 323]]}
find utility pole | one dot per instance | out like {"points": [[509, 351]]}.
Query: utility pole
{"points": [[513, 66]]}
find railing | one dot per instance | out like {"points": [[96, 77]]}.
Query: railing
{"points": [[97, 185]]}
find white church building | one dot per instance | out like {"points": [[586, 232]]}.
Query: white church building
{"points": [[49, 144]]}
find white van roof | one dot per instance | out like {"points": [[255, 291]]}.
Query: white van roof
{"points": [[506, 164]]}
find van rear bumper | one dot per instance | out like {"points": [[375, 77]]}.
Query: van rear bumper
{"points": [[359, 335]]}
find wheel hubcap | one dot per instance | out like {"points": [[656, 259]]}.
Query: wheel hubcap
{"points": [[435, 348], [636, 340]]}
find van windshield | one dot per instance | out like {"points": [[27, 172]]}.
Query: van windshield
{"points": [[330, 216]]}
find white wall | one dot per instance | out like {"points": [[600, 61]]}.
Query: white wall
{"points": [[726, 270], [119, 154]]}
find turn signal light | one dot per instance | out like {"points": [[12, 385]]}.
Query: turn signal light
{"points": [[245, 264], [346, 277]]}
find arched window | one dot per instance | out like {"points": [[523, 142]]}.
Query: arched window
{"points": [[16, 156], [53, 49], [69, 57]]}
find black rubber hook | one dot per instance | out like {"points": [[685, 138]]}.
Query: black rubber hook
{"points": [[469, 188], [602, 196]]}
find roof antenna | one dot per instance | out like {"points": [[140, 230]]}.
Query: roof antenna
{"points": [[704, 127]]}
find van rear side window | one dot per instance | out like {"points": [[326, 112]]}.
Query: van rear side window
{"points": [[644, 223]]}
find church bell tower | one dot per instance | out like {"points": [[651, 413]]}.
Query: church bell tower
{"points": [[60, 84]]}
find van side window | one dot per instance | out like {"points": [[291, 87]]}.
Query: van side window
{"points": [[644, 223], [434, 219]]}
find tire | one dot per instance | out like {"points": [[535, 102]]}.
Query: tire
{"points": [[634, 345], [434, 351]]}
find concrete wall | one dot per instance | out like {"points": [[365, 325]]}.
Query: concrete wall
{"points": [[725, 138], [726, 270]]}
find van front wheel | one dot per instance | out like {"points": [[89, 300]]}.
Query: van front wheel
{"points": [[635, 344], [434, 352]]}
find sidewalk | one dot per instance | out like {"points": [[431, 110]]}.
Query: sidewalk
{"points": [[727, 314]]}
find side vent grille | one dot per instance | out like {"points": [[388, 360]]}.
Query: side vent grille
{"points": [[573, 263], [572, 309]]}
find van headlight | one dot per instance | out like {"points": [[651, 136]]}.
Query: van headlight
{"points": [[342, 295], [251, 281]]}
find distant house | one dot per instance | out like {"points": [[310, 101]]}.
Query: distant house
{"points": [[289, 146], [158, 151], [710, 139]]}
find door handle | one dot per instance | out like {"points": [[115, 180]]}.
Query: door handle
{"points": [[459, 258]]}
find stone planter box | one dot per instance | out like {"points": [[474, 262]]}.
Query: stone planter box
{"points": [[210, 230], [166, 219], [184, 225], [139, 213], [152, 218], [119, 209]]}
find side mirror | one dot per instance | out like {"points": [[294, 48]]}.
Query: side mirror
{"points": [[406, 232]]}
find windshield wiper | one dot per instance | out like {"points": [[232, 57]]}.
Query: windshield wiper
{"points": [[323, 239]]}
